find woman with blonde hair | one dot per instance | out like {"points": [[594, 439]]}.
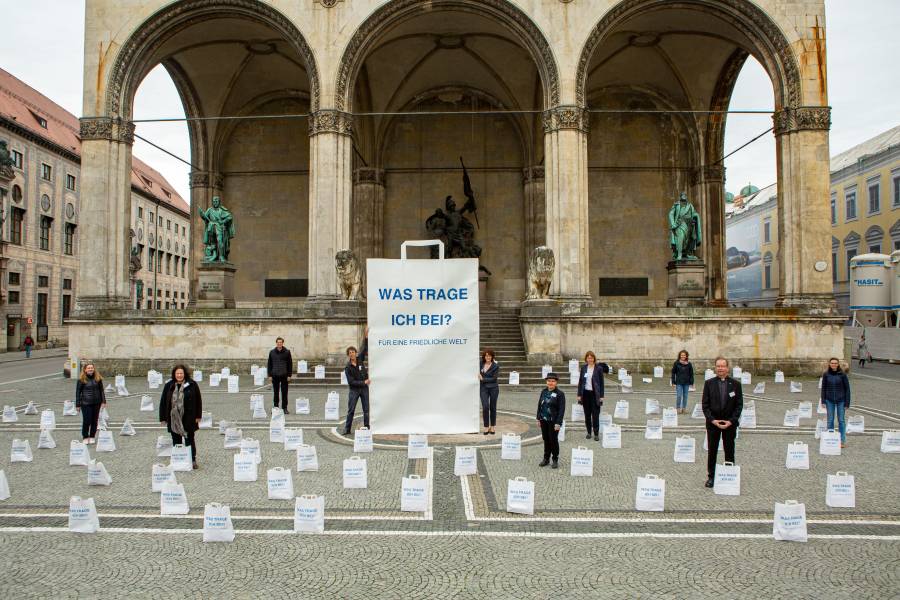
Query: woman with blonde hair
{"points": [[89, 400], [591, 393]]}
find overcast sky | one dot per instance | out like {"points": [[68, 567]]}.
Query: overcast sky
{"points": [[42, 44]]}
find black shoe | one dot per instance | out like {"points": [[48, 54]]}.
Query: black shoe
{"points": [[485, 432], [588, 436], [544, 462], [555, 464], [345, 431], [596, 438], [709, 482], [493, 432], [284, 410]]}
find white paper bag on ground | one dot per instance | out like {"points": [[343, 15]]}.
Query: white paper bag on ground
{"points": [[658, 372], [562, 432], [789, 524], [259, 411], [48, 419], [760, 388], [206, 422], [653, 430], [417, 446], [292, 438], [343, 378], [244, 467], [215, 379], [621, 373], [362, 440], [307, 459], [146, 403], [173, 500], [121, 390], [78, 454], [805, 410], [626, 384], [796, 387], [276, 431], [280, 483], [21, 451], [413, 494], [251, 447], [302, 366], [332, 405], [621, 411], [69, 409], [697, 413], [45, 440], [513, 378], [605, 420], [217, 525], [582, 464], [234, 384], [820, 409], [301, 406], [746, 378], [225, 372], [748, 417], [792, 418], [612, 436], [309, 514], [520, 496], [779, 376], [797, 456], [355, 473], [259, 379], [573, 378], [233, 437], [573, 365], [31, 409], [197, 376], [105, 442], [830, 443], [120, 380], [890, 441], [577, 413], [708, 374], [856, 424], [97, 474], [181, 458], [223, 426], [544, 370], [651, 407], [840, 490], [821, 425], [160, 475], [670, 417], [320, 372], [736, 373], [511, 447], [685, 449], [465, 462], [127, 428], [83, 515], [728, 480], [4, 486], [647, 379], [650, 493]]}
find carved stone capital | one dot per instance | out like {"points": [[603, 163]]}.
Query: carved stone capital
{"points": [[107, 128], [205, 179], [802, 118], [714, 173], [532, 174], [328, 3], [368, 175], [566, 117], [330, 121]]}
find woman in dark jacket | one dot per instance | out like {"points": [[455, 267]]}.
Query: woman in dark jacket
{"points": [[490, 389], [551, 411], [180, 408], [89, 399], [682, 379], [836, 396], [591, 392]]}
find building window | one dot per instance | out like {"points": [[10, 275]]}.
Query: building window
{"points": [[66, 305], [149, 304], [12, 296], [183, 266], [43, 281], [46, 172], [168, 224], [159, 223], [168, 265], [17, 159], [767, 274], [850, 204], [875, 248], [15, 227], [42, 317], [176, 228], [70, 239], [874, 198], [896, 186], [45, 232], [15, 278], [834, 209], [850, 255], [834, 267], [151, 217], [158, 305], [67, 284], [140, 212], [767, 232], [70, 182], [159, 259], [17, 194]]}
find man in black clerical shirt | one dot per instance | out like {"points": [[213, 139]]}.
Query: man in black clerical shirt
{"points": [[723, 402]]}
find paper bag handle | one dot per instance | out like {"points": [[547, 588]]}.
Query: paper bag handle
{"points": [[420, 243]]}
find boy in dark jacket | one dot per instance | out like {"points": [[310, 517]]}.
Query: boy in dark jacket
{"points": [[551, 410]]}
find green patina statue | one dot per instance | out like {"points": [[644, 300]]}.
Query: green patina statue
{"points": [[6, 158], [684, 223], [217, 233]]}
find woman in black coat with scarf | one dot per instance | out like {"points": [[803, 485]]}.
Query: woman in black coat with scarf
{"points": [[180, 408]]}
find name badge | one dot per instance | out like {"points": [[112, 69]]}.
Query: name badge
{"points": [[731, 394]]}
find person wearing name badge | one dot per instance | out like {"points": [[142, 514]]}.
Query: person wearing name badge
{"points": [[180, 408], [489, 389], [358, 382], [591, 393], [836, 396], [279, 368], [551, 411], [90, 398], [723, 401], [682, 380]]}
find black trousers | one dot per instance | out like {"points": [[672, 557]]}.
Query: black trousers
{"points": [[713, 434], [90, 416], [591, 411], [188, 440], [352, 397], [280, 384], [551, 440], [489, 405]]}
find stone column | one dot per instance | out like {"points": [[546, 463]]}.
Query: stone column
{"points": [[204, 185], [331, 179], [104, 247], [712, 179], [566, 193], [368, 213], [804, 222], [535, 209]]}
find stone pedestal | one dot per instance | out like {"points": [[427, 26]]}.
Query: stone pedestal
{"points": [[687, 283], [215, 287]]}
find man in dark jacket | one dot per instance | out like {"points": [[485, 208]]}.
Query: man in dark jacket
{"points": [[551, 411], [279, 368], [723, 402], [358, 381]]}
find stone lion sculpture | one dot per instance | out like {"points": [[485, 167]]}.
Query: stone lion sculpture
{"points": [[349, 274], [540, 272]]}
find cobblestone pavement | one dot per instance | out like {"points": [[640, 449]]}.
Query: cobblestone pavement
{"points": [[584, 540]]}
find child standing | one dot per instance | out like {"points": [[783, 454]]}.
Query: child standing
{"points": [[551, 411]]}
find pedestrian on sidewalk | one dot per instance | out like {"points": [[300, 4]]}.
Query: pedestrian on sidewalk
{"points": [[682, 380], [279, 367], [489, 389], [89, 400], [28, 342], [551, 410], [723, 402], [591, 392], [358, 381], [180, 408], [862, 350], [836, 396]]}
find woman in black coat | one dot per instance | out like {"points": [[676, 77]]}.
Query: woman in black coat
{"points": [[591, 392], [89, 400], [489, 389], [180, 408], [836, 396]]}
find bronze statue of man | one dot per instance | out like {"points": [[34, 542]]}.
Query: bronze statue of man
{"points": [[684, 224], [218, 231]]}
